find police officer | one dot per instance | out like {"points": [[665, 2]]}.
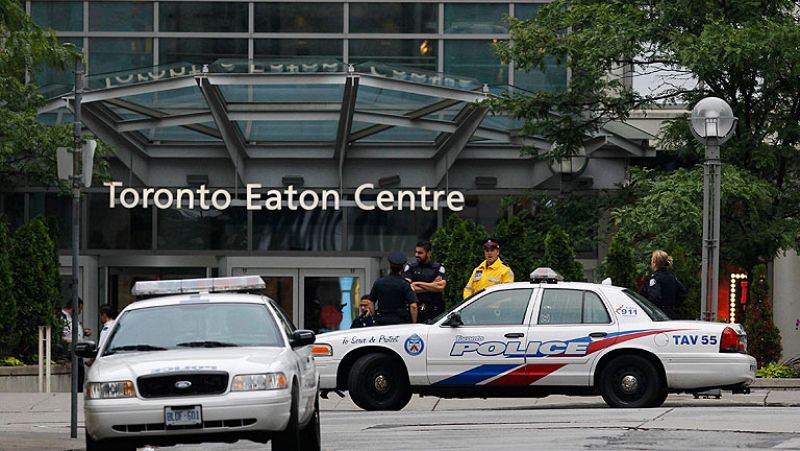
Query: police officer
{"points": [[491, 272], [662, 288], [395, 301], [427, 278], [366, 316]]}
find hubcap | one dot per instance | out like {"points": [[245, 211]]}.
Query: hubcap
{"points": [[381, 383], [629, 384]]}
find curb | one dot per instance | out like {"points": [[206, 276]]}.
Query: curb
{"points": [[777, 384]]}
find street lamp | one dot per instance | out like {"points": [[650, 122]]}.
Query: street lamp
{"points": [[712, 123]]}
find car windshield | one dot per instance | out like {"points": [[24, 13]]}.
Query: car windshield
{"points": [[201, 325], [652, 311]]}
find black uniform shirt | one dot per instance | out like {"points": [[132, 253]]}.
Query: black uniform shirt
{"points": [[664, 290], [391, 294], [363, 321], [426, 272]]}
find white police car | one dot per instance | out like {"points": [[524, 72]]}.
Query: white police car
{"points": [[534, 339], [202, 365]]}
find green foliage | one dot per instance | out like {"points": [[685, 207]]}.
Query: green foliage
{"points": [[11, 361], [8, 303], [518, 246], [620, 263], [458, 247], [763, 337], [37, 284], [686, 267], [776, 371], [560, 255]]}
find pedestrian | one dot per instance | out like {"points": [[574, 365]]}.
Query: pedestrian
{"points": [[427, 278], [66, 333], [395, 300], [108, 314], [491, 272], [366, 316], [662, 288]]}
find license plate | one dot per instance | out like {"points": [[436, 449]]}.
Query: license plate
{"points": [[183, 416]]}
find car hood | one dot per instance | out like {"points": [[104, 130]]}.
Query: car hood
{"points": [[130, 365], [377, 331]]}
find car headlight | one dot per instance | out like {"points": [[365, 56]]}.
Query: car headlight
{"points": [[322, 350], [252, 382], [110, 390]]}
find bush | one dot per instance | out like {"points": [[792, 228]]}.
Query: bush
{"points": [[8, 304], [763, 337], [11, 361], [776, 371], [559, 254], [37, 285], [457, 246], [518, 244], [620, 263]]}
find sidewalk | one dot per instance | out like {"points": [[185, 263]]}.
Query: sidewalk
{"points": [[39, 421]]}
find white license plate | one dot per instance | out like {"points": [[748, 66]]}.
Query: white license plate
{"points": [[183, 416]]}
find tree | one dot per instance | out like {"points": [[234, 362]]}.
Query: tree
{"points": [[518, 243], [37, 284], [744, 52], [8, 304], [559, 255], [620, 263], [763, 337], [457, 246]]}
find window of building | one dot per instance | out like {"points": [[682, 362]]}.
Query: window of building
{"points": [[53, 77], [204, 17], [200, 51], [553, 77], [57, 211], [299, 230], [417, 53], [388, 231], [199, 229], [119, 54], [394, 17], [312, 48], [58, 15], [526, 11], [120, 16], [476, 59], [298, 17], [475, 18], [506, 307], [561, 306], [117, 228], [12, 210]]}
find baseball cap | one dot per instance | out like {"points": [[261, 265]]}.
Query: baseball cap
{"points": [[397, 258], [491, 242]]}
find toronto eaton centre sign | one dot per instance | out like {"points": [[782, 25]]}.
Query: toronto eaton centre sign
{"points": [[258, 198]]}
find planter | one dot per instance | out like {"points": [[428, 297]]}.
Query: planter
{"points": [[25, 379], [777, 383]]}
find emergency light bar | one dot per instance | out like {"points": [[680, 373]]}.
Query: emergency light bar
{"points": [[545, 275], [211, 285]]}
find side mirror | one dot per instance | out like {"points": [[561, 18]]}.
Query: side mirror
{"points": [[302, 337], [86, 349], [454, 320]]}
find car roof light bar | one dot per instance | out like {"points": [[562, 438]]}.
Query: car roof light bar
{"points": [[209, 285], [545, 275]]}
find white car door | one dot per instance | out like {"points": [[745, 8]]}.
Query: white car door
{"points": [[489, 348], [567, 330], [304, 361]]}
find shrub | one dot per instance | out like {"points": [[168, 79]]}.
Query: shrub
{"points": [[620, 263], [776, 371], [763, 337], [8, 304], [457, 246], [11, 361], [559, 254]]}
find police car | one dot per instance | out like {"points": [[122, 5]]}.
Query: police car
{"points": [[534, 339], [203, 364]]}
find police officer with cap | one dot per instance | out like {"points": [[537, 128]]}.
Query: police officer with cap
{"points": [[491, 272], [395, 300], [427, 278]]}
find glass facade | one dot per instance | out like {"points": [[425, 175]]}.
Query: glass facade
{"points": [[199, 229], [58, 15], [416, 53], [203, 17], [120, 16], [117, 228], [475, 18], [200, 51], [299, 230], [394, 18], [387, 231], [109, 54], [303, 48], [297, 17], [57, 211], [477, 58]]}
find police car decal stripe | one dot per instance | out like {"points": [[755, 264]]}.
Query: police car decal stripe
{"points": [[527, 374], [476, 375]]}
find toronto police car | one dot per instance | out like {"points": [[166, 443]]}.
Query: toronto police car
{"points": [[202, 365], [534, 339]]}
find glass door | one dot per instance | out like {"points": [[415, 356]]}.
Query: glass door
{"points": [[330, 298], [281, 287]]}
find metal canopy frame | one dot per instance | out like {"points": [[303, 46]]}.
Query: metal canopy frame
{"points": [[222, 127]]}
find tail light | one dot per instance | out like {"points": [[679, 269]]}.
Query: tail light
{"points": [[732, 342]]}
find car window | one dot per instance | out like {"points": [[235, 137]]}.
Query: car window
{"points": [[563, 306], [652, 311], [194, 325], [497, 307], [286, 323]]}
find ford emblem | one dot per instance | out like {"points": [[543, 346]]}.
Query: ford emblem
{"points": [[182, 385]]}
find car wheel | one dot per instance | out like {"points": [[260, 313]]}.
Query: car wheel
{"points": [[289, 438], [631, 381], [660, 398], [378, 382], [310, 435], [105, 445]]}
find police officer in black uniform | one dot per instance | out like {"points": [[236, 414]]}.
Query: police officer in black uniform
{"points": [[427, 278], [395, 301], [366, 317], [662, 288]]}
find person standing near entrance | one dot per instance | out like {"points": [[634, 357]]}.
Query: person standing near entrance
{"points": [[491, 272], [395, 300], [108, 314], [427, 278], [662, 288], [366, 315]]}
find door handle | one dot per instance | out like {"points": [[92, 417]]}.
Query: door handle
{"points": [[514, 335], [598, 334]]}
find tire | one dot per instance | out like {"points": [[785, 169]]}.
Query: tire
{"points": [[106, 445], [289, 438], [632, 381], [311, 439], [378, 382]]}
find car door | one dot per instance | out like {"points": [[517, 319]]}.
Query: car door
{"points": [[306, 373], [569, 326], [489, 348]]}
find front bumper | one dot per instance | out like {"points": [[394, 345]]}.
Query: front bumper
{"points": [[239, 412], [692, 371]]}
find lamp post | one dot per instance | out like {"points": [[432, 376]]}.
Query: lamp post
{"points": [[712, 123], [569, 167]]}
